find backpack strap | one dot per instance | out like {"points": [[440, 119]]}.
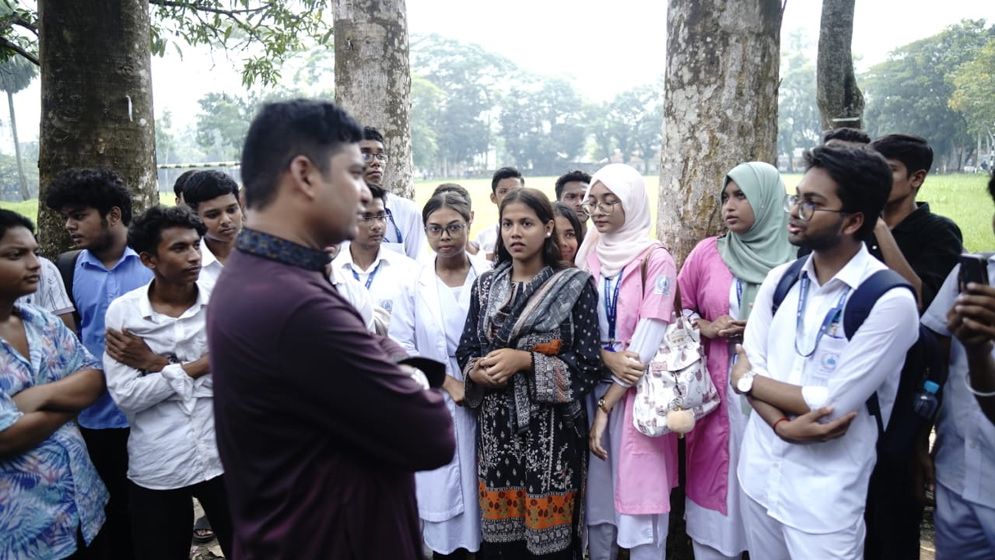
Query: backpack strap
{"points": [[858, 307], [788, 279]]}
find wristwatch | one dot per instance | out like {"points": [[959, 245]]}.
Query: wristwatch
{"points": [[604, 406], [745, 383]]}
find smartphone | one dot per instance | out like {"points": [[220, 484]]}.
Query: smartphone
{"points": [[973, 268]]}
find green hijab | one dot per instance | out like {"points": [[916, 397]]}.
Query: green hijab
{"points": [[751, 255]]}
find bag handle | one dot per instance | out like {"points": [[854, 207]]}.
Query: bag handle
{"points": [[643, 264]]}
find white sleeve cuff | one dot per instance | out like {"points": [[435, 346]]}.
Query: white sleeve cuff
{"points": [[179, 381], [814, 396]]}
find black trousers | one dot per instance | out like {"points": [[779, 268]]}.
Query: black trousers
{"points": [[108, 451], [893, 513], [161, 519]]}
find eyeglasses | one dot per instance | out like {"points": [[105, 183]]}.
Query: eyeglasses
{"points": [[369, 157], [589, 206], [452, 230], [806, 209], [367, 218]]}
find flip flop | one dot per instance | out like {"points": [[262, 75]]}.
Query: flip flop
{"points": [[202, 532]]}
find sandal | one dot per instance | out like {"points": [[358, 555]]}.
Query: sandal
{"points": [[202, 532]]}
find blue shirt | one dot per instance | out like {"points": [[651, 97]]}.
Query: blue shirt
{"points": [[48, 492], [94, 288]]}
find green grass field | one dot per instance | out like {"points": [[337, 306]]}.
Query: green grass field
{"points": [[961, 197]]}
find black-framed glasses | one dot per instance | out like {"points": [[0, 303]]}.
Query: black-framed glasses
{"points": [[368, 157], [367, 218], [806, 209], [453, 230], [590, 206]]}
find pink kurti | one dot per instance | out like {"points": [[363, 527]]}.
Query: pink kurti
{"points": [[647, 467], [705, 282]]}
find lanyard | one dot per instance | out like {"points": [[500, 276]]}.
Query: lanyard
{"points": [[369, 279], [611, 310], [832, 317], [739, 297], [397, 230]]}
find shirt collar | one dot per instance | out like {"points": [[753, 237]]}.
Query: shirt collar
{"points": [[383, 256], [88, 258], [281, 250], [852, 272], [145, 304], [915, 219], [207, 257]]}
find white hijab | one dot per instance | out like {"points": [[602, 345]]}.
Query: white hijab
{"points": [[615, 250]]}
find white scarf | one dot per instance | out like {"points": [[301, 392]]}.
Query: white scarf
{"points": [[615, 250]]}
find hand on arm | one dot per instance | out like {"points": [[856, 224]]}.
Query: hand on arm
{"points": [[499, 366], [132, 351], [783, 396], [197, 368], [722, 327], [624, 365], [31, 429]]}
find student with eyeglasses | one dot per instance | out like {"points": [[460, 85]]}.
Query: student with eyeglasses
{"points": [[810, 445], [403, 232], [428, 319], [380, 272]]}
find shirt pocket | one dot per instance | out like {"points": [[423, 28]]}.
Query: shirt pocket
{"points": [[825, 361]]}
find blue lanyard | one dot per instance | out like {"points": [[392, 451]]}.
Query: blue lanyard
{"points": [[611, 310], [369, 279], [739, 296], [397, 230], [832, 317]]}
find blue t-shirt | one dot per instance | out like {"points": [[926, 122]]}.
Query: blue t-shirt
{"points": [[94, 288]]}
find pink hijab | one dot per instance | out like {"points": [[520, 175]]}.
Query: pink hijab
{"points": [[615, 250]]}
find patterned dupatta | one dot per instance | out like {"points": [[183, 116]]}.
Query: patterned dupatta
{"points": [[518, 315]]}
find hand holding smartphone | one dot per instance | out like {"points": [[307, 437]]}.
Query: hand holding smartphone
{"points": [[973, 268]]}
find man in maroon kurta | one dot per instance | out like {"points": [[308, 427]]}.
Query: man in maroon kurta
{"points": [[319, 430]]}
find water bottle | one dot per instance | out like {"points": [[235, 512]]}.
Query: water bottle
{"points": [[926, 401]]}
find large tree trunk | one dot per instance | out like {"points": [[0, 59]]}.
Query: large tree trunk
{"points": [[720, 108], [839, 98], [373, 78], [25, 194], [96, 100]]}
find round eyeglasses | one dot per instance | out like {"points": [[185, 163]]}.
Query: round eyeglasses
{"points": [[806, 209]]}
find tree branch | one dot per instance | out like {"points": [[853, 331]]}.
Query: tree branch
{"points": [[8, 44], [202, 8]]}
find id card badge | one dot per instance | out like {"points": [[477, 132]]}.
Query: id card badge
{"points": [[827, 357]]}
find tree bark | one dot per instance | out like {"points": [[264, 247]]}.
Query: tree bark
{"points": [[839, 98], [373, 78], [96, 100], [23, 181], [720, 108]]}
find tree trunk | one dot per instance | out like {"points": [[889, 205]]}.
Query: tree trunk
{"points": [[839, 98], [25, 193], [720, 108], [373, 78], [96, 100]]}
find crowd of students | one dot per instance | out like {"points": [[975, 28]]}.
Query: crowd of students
{"points": [[267, 370]]}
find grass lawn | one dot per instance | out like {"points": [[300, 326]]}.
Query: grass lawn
{"points": [[961, 197]]}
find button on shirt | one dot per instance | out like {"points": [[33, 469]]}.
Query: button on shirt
{"points": [[822, 487], [49, 492], [172, 441], [965, 439], [389, 272], [94, 288]]}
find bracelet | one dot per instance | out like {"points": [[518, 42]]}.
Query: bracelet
{"points": [[779, 420], [975, 392], [604, 406]]}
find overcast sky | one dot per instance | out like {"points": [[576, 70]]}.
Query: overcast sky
{"points": [[602, 47]]}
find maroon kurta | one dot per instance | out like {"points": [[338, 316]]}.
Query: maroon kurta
{"points": [[319, 431]]}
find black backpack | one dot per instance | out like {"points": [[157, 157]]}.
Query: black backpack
{"points": [[66, 263], [924, 362]]}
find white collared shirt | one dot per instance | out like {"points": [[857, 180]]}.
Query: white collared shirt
{"points": [[172, 443], [383, 279], [405, 233], [965, 438], [822, 487], [350, 289], [487, 239], [210, 266]]}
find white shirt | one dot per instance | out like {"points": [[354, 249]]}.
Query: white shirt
{"points": [[405, 233], [487, 239], [51, 293], [965, 438], [210, 266], [172, 443], [822, 487], [383, 279], [350, 289]]}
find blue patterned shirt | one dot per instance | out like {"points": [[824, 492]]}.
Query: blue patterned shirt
{"points": [[48, 492]]}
